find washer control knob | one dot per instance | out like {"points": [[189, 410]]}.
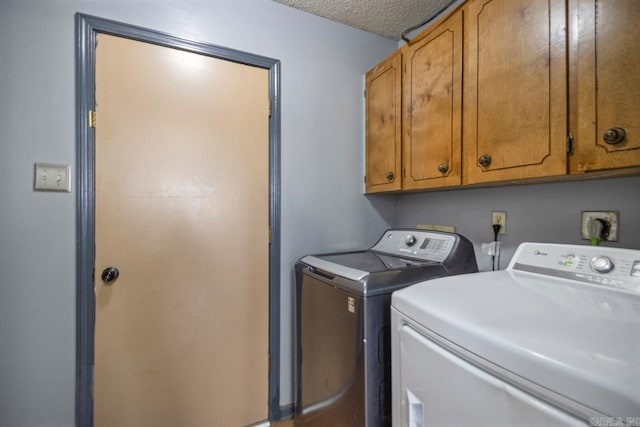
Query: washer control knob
{"points": [[410, 240], [602, 264]]}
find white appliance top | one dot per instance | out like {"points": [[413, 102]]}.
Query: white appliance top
{"points": [[560, 316]]}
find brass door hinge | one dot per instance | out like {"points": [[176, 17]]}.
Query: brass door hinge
{"points": [[92, 119], [365, 179]]}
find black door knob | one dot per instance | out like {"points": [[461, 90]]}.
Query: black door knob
{"points": [[110, 274]]}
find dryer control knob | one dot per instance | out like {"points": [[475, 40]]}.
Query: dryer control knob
{"points": [[410, 240], [602, 264]]}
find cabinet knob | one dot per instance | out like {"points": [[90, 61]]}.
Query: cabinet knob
{"points": [[443, 167], [614, 135], [390, 176], [485, 160]]}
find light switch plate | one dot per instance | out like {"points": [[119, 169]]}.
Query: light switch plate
{"points": [[52, 177]]}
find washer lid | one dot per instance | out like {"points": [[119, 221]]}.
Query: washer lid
{"points": [[371, 262], [578, 340], [358, 265], [335, 269]]}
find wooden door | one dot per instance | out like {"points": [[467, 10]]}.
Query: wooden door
{"points": [[605, 90], [515, 114], [432, 115], [181, 337], [383, 126]]}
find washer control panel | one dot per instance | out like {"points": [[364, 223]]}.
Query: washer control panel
{"points": [[613, 267], [424, 245]]}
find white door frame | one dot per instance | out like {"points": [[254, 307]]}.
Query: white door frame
{"points": [[86, 29]]}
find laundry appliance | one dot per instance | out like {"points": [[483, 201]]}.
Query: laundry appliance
{"points": [[343, 363], [554, 340]]}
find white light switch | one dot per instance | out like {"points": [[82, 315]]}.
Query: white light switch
{"points": [[50, 177]]}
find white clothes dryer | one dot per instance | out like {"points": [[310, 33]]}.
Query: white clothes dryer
{"points": [[553, 340]]}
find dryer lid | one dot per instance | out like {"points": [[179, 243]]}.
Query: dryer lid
{"points": [[578, 340]]}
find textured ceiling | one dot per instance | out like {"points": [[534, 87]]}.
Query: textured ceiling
{"points": [[388, 18]]}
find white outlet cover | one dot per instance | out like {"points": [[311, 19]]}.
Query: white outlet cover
{"points": [[52, 177], [611, 216], [503, 223]]}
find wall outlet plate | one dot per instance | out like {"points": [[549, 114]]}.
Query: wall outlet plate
{"points": [[499, 217], [52, 177], [610, 216]]}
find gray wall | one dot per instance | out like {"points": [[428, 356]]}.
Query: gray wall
{"points": [[536, 213], [322, 162], [322, 166]]}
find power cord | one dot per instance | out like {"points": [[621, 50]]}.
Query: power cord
{"points": [[496, 230]]}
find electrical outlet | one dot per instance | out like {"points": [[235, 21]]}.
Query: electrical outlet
{"points": [[500, 217], [612, 217]]}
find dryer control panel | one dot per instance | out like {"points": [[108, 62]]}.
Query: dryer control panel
{"points": [[613, 267], [424, 245]]}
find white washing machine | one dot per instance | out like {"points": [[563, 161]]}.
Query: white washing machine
{"points": [[553, 340]]}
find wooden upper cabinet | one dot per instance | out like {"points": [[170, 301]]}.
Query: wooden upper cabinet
{"points": [[432, 114], [515, 97], [605, 88], [383, 125]]}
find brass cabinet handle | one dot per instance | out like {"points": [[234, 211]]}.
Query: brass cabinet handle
{"points": [[485, 160], [443, 167], [614, 135], [390, 176]]}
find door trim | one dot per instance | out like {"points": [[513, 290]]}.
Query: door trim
{"points": [[87, 27]]}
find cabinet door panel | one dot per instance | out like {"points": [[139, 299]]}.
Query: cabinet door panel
{"points": [[383, 125], [432, 89], [607, 94], [515, 89]]}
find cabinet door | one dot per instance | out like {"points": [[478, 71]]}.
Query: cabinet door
{"points": [[383, 126], [605, 90], [432, 115], [515, 102]]}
